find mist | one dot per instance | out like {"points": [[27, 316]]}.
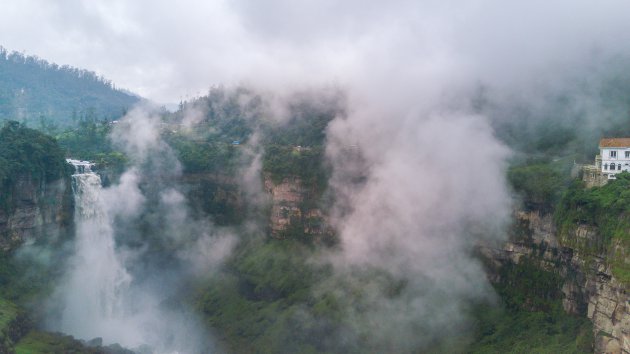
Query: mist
{"points": [[432, 95], [113, 287]]}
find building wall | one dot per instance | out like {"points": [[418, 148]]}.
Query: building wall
{"points": [[619, 157], [592, 176]]}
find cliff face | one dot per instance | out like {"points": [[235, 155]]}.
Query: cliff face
{"points": [[217, 195], [589, 287], [294, 209], [38, 209]]}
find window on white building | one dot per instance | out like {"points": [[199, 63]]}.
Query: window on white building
{"points": [[613, 154], [627, 154], [605, 166], [619, 167]]}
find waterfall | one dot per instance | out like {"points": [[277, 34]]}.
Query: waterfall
{"points": [[97, 297], [93, 302]]}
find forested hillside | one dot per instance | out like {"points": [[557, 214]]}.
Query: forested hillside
{"points": [[45, 94]]}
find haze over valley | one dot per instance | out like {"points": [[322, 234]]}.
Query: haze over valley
{"points": [[314, 177]]}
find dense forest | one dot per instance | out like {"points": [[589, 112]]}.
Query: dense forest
{"points": [[43, 94]]}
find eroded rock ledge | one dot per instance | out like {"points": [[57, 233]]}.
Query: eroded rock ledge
{"points": [[589, 287]]}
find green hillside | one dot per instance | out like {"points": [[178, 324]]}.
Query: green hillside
{"points": [[37, 92]]}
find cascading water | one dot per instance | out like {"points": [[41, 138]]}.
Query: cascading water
{"points": [[97, 297], [97, 280]]}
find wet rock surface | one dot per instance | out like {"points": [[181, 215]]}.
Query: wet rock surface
{"points": [[37, 209], [589, 287]]}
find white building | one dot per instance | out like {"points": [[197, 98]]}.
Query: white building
{"points": [[614, 156]]}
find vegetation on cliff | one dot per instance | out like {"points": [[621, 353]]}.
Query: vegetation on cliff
{"points": [[206, 155], [89, 140], [29, 160], [538, 182], [25, 152], [605, 209], [210, 132], [531, 318], [521, 331], [296, 145], [219, 136], [268, 299], [265, 301], [282, 161]]}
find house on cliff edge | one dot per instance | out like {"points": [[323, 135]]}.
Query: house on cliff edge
{"points": [[613, 158]]}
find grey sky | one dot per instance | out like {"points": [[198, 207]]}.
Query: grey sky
{"points": [[166, 50]]}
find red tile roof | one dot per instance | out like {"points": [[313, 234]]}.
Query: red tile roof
{"points": [[614, 142]]}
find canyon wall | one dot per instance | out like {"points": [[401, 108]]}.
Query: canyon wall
{"points": [[35, 209], [295, 209], [588, 287]]}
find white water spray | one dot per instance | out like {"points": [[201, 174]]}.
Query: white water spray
{"points": [[93, 305], [99, 297]]}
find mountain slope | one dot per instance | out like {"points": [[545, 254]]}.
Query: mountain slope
{"points": [[33, 90]]}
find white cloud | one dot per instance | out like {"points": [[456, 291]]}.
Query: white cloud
{"points": [[167, 50]]}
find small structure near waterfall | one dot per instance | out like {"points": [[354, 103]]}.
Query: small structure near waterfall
{"points": [[613, 158]]}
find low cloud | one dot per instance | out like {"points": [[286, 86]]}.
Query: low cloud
{"points": [[113, 287], [418, 171]]}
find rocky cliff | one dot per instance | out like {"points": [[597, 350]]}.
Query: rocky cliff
{"points": [[295, 209], [36, 209], [588, 287], [293, 205]]}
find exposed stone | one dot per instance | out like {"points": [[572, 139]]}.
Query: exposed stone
{"points": [[590, 289], [288, 207], [38, 210]]}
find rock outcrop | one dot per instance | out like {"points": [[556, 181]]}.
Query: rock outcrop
{"points": [[589, 287], [36, 209], [294, 207]]}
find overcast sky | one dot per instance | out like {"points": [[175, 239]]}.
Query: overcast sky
{"points": [[168, 50]]}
